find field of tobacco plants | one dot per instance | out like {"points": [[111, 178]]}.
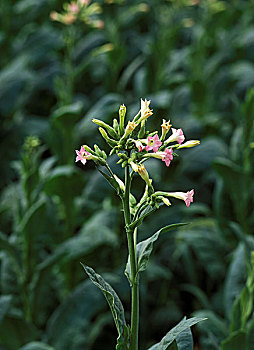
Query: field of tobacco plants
{"points": [[133, 86]]}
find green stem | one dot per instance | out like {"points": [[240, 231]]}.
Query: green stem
{"points": [[133, 265]]}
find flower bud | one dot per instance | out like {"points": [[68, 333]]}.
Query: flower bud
{"points": [[89, 150], [111, 142], [120, 183], [145, 110], [109, 129], [134, 166], [189, 144], [129, 128], [122, 113], [144, 174], [116, 126], [164, 200], [165, 126]]}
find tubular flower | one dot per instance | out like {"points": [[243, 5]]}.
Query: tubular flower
{"points": [[189, 144], [165, 156], [168, 156], [82, 155], [165, 126], [145, 110], [144, 174], [187, 197], [129, 128], [153, 143], [177, 135]]}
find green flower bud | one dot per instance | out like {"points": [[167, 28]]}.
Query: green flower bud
{"points": [[111, 142], [122, 113], [109, 129]]}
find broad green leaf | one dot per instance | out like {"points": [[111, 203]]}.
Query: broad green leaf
{"points": [[71, 320], [203, 238], [144, 249], [96, 232], [235, 341], [175, 332], [114, 303], [172, 346], [36, 346]]}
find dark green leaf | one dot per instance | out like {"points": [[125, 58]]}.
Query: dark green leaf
{"points": [[175, 332], [71, 320], [184, 340], [144, 249], [113, 301]]}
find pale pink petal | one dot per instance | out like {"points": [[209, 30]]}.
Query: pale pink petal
{"points": [[153, 143], [168, 156]]}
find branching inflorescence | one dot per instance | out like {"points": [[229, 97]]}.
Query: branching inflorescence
{"points": [[134, 145]]}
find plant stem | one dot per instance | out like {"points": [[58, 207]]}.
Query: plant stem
{"points": [[133, 265]]}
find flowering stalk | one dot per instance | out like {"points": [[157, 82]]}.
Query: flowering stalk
{"points": [[133, 264], [128, 142]]}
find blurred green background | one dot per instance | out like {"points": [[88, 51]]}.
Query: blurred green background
{"points": [[195, 61]]}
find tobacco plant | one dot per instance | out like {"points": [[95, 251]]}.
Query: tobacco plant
{"points": [[132, 144]]}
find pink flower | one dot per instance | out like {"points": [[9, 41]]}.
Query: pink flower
{"points": [[177, 135], [153, 143], [168, 156], [187, 197], [165, 156], [82, 155]]}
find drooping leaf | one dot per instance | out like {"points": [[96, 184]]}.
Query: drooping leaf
{"points": [[184, 340], [175, 332], [115, 305]]}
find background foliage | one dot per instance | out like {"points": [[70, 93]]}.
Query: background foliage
{"points": [[194, 60]]}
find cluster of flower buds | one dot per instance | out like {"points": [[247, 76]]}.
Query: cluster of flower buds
{"points": [[134, 145], [82, 10]]}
